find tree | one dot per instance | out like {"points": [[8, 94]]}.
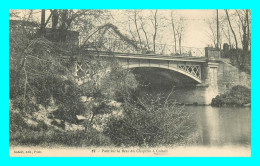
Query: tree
{"points": [[99, 39], [180, 32], [42, 28], [216, 37], [241, 18], [136, 22], [136, 27], [226, 33], [55, 19], [37, 74], [44, 22], [142, 24], [174, 32], [155, 25], [232, 30], [244, 23]]}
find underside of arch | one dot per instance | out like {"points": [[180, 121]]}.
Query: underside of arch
{"points": [[163, 67]]}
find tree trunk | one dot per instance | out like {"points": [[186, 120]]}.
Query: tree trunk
{"points": [[155, 30], [136, 27], [233, 32], [174, 34], [42, 27], [55, 19], [246, 33], [180, 44], [248, 29], [217, 31], [145, 34], [229, 38]]}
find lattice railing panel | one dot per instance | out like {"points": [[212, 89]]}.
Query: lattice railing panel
{"points": [[194, 70]]}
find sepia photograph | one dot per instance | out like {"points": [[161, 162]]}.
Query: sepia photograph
{"points": [[129, 83]]}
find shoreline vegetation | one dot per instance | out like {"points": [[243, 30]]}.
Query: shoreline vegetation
{"points": [[238, 96], [49, 105], [118, 130]]}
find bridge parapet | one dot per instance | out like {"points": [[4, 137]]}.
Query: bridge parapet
{"points": [[131, 47], [212, 53]]}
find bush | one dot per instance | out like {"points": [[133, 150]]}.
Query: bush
{"points": [[237, 96], [239, 58], [53, 137], [151, 121], [17, 122]]}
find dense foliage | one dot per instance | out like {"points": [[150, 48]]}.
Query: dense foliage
{"points": [[151, 121], [45, 95], [237, 96], [239, 58]]}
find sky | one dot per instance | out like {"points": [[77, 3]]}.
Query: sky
{"points": [[196, 33], [197, 30]]}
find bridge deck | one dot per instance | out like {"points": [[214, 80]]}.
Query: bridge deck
{"points": [[179, 58], [160, 57]]}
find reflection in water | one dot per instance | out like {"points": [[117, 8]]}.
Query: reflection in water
{"points": [[212, 119], [222, 126], [215, 126]]}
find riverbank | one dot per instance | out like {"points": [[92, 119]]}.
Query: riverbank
{"points": [[238, 96]]}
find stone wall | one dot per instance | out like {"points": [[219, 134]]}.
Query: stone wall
{"points": [[212, 53], [229, 76]]}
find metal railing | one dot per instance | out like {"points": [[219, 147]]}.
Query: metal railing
{"points": [[116, 45]]}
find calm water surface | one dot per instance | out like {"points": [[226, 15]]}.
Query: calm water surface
{"points": [[222, 126]]}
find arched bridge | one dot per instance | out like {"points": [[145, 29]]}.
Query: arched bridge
{"points": [[189, 66], [203, 70]]}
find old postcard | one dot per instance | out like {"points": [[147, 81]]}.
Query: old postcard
{"points": [[140, 83]]}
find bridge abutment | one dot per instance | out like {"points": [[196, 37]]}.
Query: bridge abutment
{"points": [[210, 81]]}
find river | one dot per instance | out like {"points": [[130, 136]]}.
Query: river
{"points": [[215, 126], [222, 126]]}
